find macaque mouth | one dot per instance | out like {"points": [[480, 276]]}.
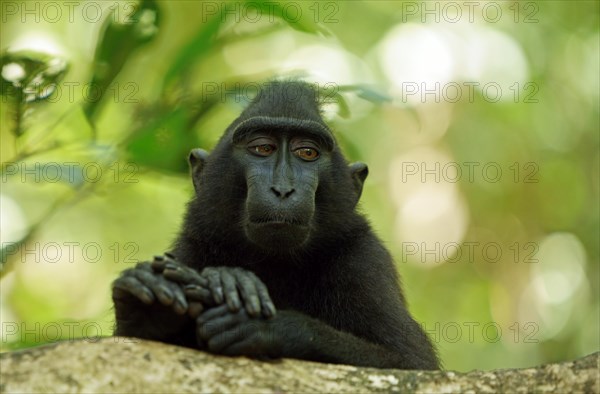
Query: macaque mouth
{"points": [[278, 221]]}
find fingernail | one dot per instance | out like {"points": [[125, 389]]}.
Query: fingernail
{"points": [[147, 295], [180, 308], [232, 305], [167, 294]]}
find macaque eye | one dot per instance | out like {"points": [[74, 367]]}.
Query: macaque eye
{"points": [[307, 154], [262, 150]]}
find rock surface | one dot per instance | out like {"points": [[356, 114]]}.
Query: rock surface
{"points": [[125, 365]]}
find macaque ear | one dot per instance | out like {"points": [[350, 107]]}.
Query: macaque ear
{"points": [[359, 174], [197, 159]]}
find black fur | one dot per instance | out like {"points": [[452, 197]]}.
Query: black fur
{"points": [[337, 293]]}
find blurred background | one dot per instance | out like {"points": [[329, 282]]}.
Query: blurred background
{"points": [[479, 121]]}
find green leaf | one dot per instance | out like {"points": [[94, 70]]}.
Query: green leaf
{"points": [[343, 109], [205, 37], [8, 249], [350, 149], [165, 143], [301, 22], [198, 47], [119, 39], [367, 92], [32, 76], [28, 77]]}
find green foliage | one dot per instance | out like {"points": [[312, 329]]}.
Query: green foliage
{"points": [[198, 47], [28, 77], [107, 171], [119, 40], [164, 143]]}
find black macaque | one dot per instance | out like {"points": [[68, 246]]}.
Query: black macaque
{"points": [[273, 259]]}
